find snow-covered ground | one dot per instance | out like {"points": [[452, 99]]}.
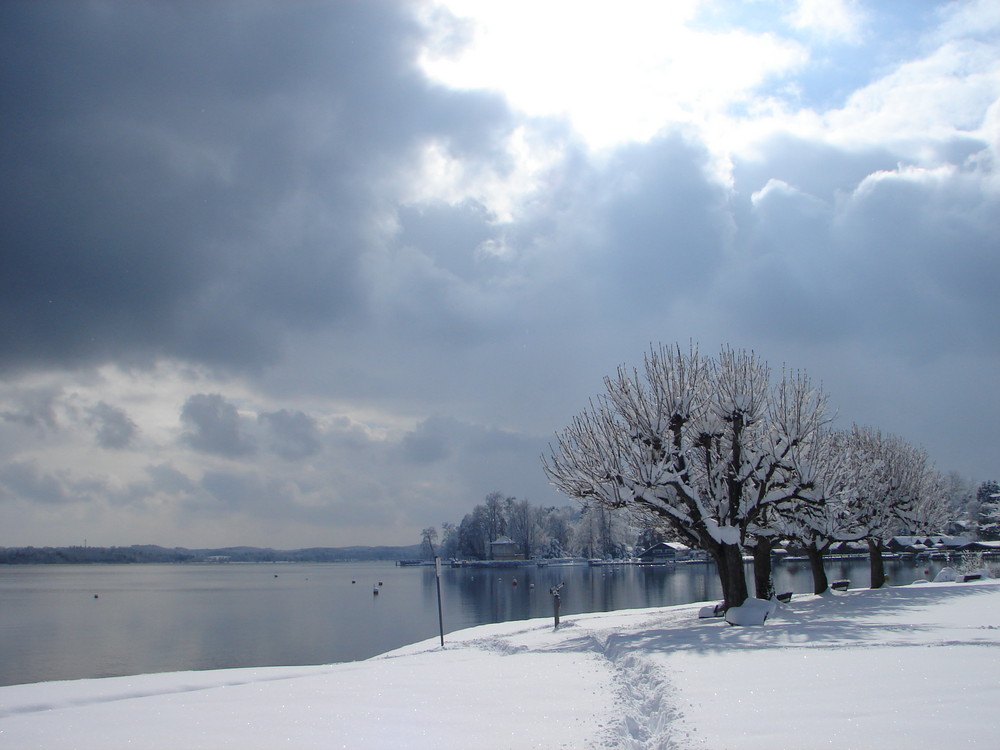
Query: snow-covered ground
{"points": [[908, 667]]}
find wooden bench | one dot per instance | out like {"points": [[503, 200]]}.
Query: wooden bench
{"points": [[712, 610]]}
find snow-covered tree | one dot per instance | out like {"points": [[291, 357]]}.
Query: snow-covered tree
{"points": [[496, 511], [988, 511], [831, 517], [892, 477], [558, 529], [524, 527], [428, 537], [707, 445], [449, 540], [473, 537], [958, 494], [804, 465], [933, 511], [601, 532]]}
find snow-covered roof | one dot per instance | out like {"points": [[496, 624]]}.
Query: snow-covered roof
{"points": [[663, 546], [932, 540]]}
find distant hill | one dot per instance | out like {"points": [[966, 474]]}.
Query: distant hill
{"points": [[151, 553]]}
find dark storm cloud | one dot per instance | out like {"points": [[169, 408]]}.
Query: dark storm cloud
{"points": [[667, 220], [114, 428], [293, 434], [168, 479], [478, 459], [35, 408], [214, 426], [449, 235], [624, 238], [851, 246], [194, 179], [28, 481], [430, 441]]}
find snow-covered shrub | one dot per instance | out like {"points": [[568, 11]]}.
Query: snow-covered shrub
{"points": [[946, 575], [974, 564]]}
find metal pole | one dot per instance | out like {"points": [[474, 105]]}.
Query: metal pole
{"points": [[437, 575]]}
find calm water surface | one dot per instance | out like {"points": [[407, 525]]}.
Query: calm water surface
{"points": [[75, 621]]}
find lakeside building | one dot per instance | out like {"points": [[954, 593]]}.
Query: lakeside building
{"points": [[664, 553], [505, 549]]}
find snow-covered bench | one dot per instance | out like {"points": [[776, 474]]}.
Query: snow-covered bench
{"points": [[712, 610], [751, 612], [840, 585]]}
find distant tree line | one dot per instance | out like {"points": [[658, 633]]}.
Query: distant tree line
{"points": [[590, 531], [595, 530], [155, 554]]}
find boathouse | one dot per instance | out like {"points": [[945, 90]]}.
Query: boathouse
{"points": [[664, 552], [505, 548]]}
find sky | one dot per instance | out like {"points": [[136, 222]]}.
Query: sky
{"points": [[327, 273]]}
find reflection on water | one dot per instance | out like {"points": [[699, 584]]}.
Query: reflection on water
{"points": [[68, 622]]}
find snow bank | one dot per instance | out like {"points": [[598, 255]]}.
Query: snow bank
{"points": [[840, 670]]}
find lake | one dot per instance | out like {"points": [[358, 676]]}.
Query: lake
{"points": [[75, 621]]}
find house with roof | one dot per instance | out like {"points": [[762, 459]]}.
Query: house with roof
{"points": [[505, 548], [988, 548], [664, 553], [936, 543]]}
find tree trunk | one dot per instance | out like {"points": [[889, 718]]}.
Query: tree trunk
{"points": [[732, 575], [877, 564], [820, 581], [720, 566], [763, 581]]}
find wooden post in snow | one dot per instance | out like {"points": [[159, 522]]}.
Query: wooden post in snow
{"points": [[555, 603]]}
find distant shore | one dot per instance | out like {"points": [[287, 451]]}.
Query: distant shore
{"points": [[151, 553]]}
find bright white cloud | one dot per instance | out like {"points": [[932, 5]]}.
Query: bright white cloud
{"points": [[926, 102], [616, 73], [838, 19]]}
